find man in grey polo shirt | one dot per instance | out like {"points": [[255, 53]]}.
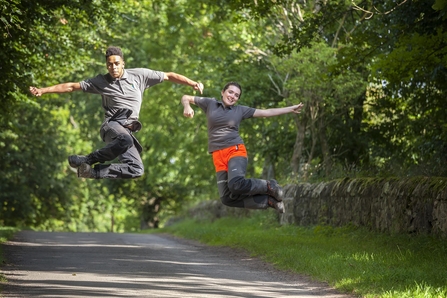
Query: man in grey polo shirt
{"points": [[122, 95]]}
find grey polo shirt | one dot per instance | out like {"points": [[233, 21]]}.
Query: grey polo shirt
{"points": [[223, 122], [125, 92]]}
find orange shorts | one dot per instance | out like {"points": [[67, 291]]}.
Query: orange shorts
{"points": [[221, 157]]}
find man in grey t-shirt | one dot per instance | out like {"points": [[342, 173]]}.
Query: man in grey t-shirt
{"points": [[122, 95]]}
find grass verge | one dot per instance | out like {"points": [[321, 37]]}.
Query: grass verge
{"points": [[351, 259], [5, 234]]}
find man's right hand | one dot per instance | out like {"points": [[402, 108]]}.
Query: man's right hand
{"points": [[199, 87], [35, 91]]}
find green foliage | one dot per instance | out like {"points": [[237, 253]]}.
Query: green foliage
{"points": [[41, 37], [403, 44], [6, 233], [42, 43], [372, 80], [414, 72], [333, 108], [353, 260], [38, 132]]}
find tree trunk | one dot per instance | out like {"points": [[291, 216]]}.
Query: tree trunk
{"points": [[327, 161], [314, 111], [149, 219], [268, 171], [300, 122]]}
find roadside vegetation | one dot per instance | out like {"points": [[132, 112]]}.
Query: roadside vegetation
{"points": [[5, 234], [351, 259]]}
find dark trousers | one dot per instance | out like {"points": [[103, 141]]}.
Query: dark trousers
{"points": [[121, 144], [237, 191]]}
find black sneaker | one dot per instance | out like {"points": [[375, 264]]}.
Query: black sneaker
{"points": [[86, 171], [279, 206], [274, 190], [75, 161]]}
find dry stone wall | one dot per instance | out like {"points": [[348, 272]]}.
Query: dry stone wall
{"points": [[413, 205]]}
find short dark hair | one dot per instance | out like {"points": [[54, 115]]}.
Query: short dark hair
{"points": [[112, 51], [233, 84]]}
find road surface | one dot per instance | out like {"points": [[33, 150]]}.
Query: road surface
{"points": [[56, 264]]}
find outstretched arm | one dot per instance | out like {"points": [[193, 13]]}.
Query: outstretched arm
{"points": [[278, 111], [180, 79], [187, 100], [60, 88]]}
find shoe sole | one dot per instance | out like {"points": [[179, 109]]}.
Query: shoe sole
{"points": [[280, 193], [280, 207], [280, 196], [85, 171]]}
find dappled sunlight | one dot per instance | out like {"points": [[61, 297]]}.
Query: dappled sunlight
{"points": [[156, 285]]}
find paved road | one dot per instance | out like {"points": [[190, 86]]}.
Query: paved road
{"points": [[43, 264]]}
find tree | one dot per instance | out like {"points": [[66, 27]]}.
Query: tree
{"points": [[44, 42]]}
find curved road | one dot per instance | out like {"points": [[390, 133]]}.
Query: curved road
{"points": [[45, 264]]}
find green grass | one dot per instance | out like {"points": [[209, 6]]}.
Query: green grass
{"points": [[353, 260], [5, 234]]}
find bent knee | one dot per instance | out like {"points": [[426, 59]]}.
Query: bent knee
{"points": [[237, 185], [125, 140], [226, 200], [135, 170], [139, 173]]}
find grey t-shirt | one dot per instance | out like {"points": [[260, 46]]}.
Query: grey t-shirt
{"points": [[125, 92], [223, 123]]}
